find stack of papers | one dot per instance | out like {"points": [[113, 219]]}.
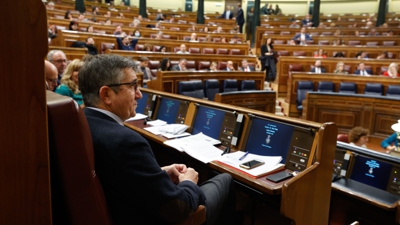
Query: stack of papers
{"points": [[167, 130], [271, 163], [138, 116]]}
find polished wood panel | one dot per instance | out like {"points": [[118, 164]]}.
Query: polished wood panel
{"points": [[24, 155], [168, 80], [377, 114], [259, 100], [71, 53]]}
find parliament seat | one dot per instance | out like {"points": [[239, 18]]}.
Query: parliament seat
{"points": [[295, 68], [105, 46], [326, 86], [187, 88], [174, 28], [310, 42], [211, 87], [208, 51], [343, 138], [353, 43], [139, 47], [302, 88], [279, 42], [229, 85], [393, 91], [166, 36], [194, 50], [283, 53], [235, 52], [153, 35], [203, 65], [154, 64], [173, 63], [326, 33], [285, 33], [191, 65], [248, 85], [348, 87], [373, 89], [216, 39], [323, 42], [156, 48], [389, 43], [383, 69], [222, 51], [372, 43], [198, 87], [299, 53], [221, 65], [269, 32]]}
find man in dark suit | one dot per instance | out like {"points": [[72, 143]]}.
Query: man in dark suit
{"points": [[181, 66], [306, 21], [318, 68], [245, 67], [137, 189], [240, 17], [228, 14], [302, 37], [362, 70]]}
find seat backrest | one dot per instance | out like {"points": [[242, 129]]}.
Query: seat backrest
{"points": [[383, 69], [393, 91], [372, 43], [353, 43], [166, 36], [326, 33], [348, 87], [235, 52], [326, 86], [248, 85], [296, 68], [105, 46], [203, 65], [389, 43], [187, 88], [194, 50], [310, 42], [222, 51], [283, 53], [323, 42], [177, 49], [211, 87], [230, 85], [173, 63], [216, 39], [373, 89], [343, 138], [299, 53], [191, 65], [139, 47], [156, 48], [208, 51], [279, 42], [154, 64], [221, 65], [302, 88], [199, 90], [73, 162]]}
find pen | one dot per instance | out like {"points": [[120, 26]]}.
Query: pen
{"points": [[244, 156]]}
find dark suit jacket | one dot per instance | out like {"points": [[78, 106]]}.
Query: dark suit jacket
{"points": [[305, 22], [224, 15], [176, 68], [240, 17], [308, 37], [359, 72], [323, 70], [251, 68], [136, 189]]}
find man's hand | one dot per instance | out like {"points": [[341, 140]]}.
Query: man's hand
{"points": [[191, 175], [174, 171]]}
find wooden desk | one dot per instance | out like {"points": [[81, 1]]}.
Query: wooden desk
{"points": [[328, 63], [304, 198], [336, 79], [168, 80], [377, 114], [71, 53]]}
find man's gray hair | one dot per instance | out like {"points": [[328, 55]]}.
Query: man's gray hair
{"points": [[98, 71], [52, 52]]}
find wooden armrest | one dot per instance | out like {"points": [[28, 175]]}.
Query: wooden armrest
{"points": [[198, 217]]}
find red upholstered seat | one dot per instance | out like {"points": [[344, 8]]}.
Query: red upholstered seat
{"points": [[203, 65], [105, 46], [222, 51], [208, 51], [235, 52]]}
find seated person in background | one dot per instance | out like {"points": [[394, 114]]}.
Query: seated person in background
{"points": [[219, 30], [120, 15], [69, 82], [118, 30], [51, 74], [89, 44], [159, 15], [68, 16], [339, 55], [321, 25], [159, 35], [229, 66], [392, 142], [235, 40], [50, 5], [383, 55], [181, 66], [337, 33], [193, 38], [162, 48], [358, 136], [340, 69], [235, 30], [148, 48], [125, 44], [362, 55], [307, 21], [183, 49], [303, 36], [193, 28], [136, 23], [165, 65], [294, 24], [317, 68], [320, 53], [52, 31], [108, 14], [357, 33], [206, 29], [213, 67], [208, 38], [223, 39], [392, 71], [107, 22], [172, 20], [390, 33], [362, 70], [95, 10], [136, 188], [136, 33], [81, 18], [89, 29], [143, 67], [292, 42], [373, 32], [245, 67], [73, 25]]}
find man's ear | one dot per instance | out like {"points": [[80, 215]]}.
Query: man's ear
{"points": [[105, 94]]}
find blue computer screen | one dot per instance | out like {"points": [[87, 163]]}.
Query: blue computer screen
{"points": [[208, 121], [168, 110], [142, 103], [269, 138], [371, 172]]}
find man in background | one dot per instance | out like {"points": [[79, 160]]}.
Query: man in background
{"points": [[59, 60], [240, 17], [228, 14], [51, 75]]}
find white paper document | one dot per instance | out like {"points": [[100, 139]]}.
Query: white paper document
{"points": [[270, 162], [138, 116], [156, 123]]}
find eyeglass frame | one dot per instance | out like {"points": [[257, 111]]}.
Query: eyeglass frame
{"points": [[133, 84], [52, 80], [59, 61]]}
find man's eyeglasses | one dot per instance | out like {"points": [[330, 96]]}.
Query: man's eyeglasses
{"points": [[59, 61], [133, 84], [52, 80]]}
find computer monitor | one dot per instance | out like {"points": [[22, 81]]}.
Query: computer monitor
{"points": [[171, 110], [273, 138], [216, 123], [373, 172], [146, 104]]}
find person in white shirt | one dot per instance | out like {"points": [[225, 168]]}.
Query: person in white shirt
{"points": [[245, 66], [227, 13], [229, 66], [362, 70], [317, 68], [193, 37], [183, 50]]}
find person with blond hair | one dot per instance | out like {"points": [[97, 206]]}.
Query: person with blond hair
{"points": [[358, 136], [392, 70], [340, 68], [69, 82]]}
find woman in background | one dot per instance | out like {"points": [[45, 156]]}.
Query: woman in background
{"points": [[267, 59], [213, 67], [68, 16], [249, 25], [162, 48], [392, 142], [165, 65], [69, 85], [320, 53], [392, 71], [340, 69], [358, 136]]}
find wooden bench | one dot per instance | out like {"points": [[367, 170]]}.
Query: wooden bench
{"points": [[360, 81], [262, 100], [168, 80], [71, 53], [328, 63]]}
